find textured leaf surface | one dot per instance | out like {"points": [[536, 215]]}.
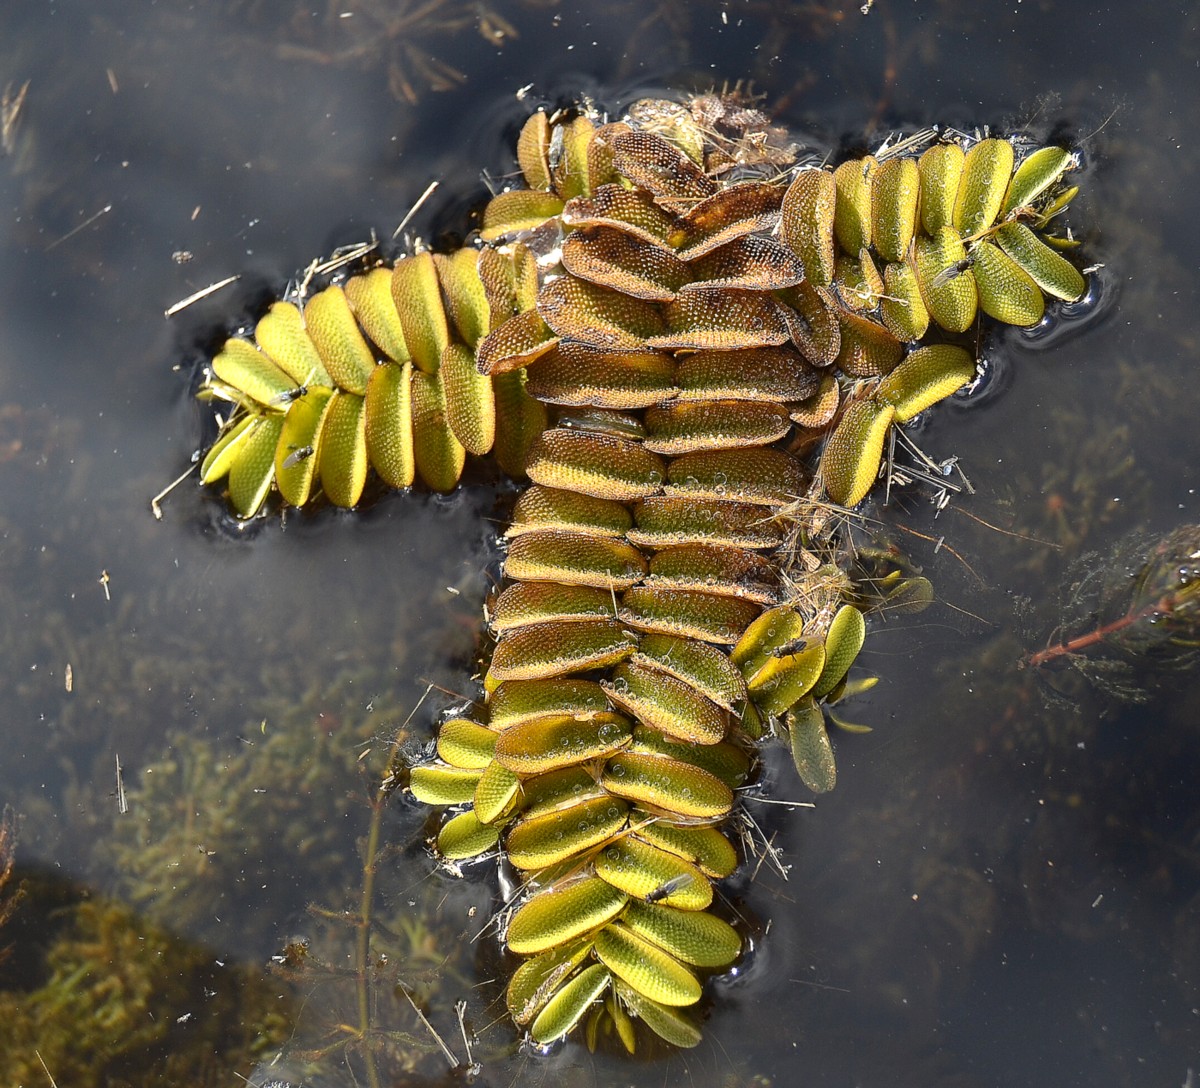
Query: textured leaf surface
{"points": [[853, 454], [646, 967]]}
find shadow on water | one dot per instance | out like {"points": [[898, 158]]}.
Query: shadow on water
{"points": [[1002, 890]]}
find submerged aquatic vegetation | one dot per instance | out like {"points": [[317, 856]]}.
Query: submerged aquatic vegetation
{"points": [[184, 854], [1132, 614], [213, 832], [368, 965], [657, 342], [113, 996], [211, 825], [398, 36], [9, 897]]}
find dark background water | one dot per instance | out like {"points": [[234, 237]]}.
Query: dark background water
{"points": [[1000, 891]]}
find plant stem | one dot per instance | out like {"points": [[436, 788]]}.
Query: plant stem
{"points": [[1082, 642], [362, 942]]}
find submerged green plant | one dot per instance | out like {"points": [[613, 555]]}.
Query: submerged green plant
{"points": [[219, 842], [116, 997], [10, 898], [1143, 607]]}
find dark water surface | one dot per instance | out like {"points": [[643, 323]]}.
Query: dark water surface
{"points": [[1001, 891]]}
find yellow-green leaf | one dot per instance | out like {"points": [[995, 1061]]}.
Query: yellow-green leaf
{"points": [[467, 744], [894, 193], [986, 174], [557, 915], [1053, 274], [1036, 173], [646, 967], [843, 642], [646, 872], [940, 169], [518, 210], [296, 456], [811, 750], [850, 462], [944, 273], [806, 223], [566, 1008], [463, 836], [370, 297], [418, 299], [253, 468], [281, 334], [852, 217], [438, 784], [249, 371], [226, 449], [343, 350], [438, 454], [465, 296], [926, 376], [470, 404], [533, 149], [692, 936], [1006, 291], [389, 426], [785, 678], [342, 450]]}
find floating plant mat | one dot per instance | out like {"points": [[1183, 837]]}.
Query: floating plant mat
{"points": [[697, 343]]}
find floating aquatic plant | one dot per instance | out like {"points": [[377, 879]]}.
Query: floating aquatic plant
{"points": [[407, 370], [655, 342]]}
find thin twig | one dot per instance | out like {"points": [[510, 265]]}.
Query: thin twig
{"points": [[74, 231], [362, 937], [204, 292], [416, 207], [1008, 532], [155, 508], [775, 801], [10, 115], [943, 546], [460, 1008], [122, 801], [345, 255], [50, 1076], [454, 1062]]}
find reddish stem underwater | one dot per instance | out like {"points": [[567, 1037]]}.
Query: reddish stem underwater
{"points": [[1082, 642]]}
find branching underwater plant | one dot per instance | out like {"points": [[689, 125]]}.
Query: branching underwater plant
{"points": [[10, 898], [1143, 607]]}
